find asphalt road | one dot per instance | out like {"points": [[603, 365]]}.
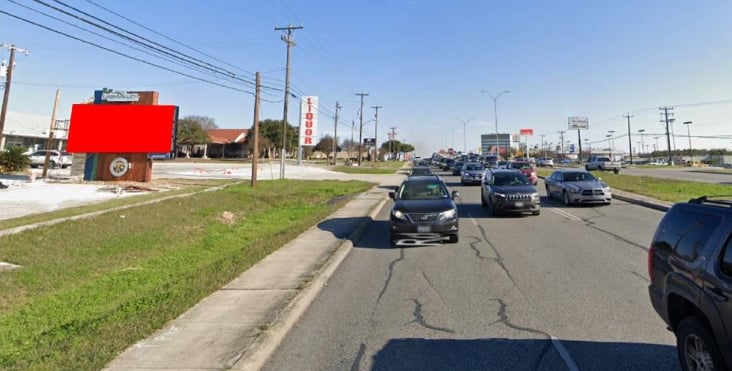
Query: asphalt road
{"points": [[563, 290]]}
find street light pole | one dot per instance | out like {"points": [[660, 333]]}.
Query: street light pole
{"points": [[688, 131], [612, 144], [641, 131], [495, 116], [465, 137]]}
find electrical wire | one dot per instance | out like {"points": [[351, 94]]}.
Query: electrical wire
{"points": [[166, 37], [123, 54]]}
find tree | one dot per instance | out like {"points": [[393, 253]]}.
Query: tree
{"points": [[325, 145], [191, 130], [270, 137]]}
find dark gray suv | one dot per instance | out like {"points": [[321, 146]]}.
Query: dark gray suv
{"points": [[690, 269], [424, 212], [508, 191]]}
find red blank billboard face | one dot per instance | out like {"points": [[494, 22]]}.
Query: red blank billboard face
{"points": [[109, 128]]}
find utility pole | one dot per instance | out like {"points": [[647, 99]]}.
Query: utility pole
{"points": [[391, 140], [350, 147], [360, 127], [688, 133], [630, 142], [376, 135], [288, 40], [543, 149], [666, 119], [255, 157], [49, 142], [335, 134], [6, 93], [561, 141]]}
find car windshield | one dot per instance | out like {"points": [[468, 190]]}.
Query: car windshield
{"points": [[423, 191], [476, 167], [577, 177], [421, 171], [520, 165], [509, 179]]}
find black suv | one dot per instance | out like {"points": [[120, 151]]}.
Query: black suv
{"points": [[690, 267], [508, 191], [424, 211]]}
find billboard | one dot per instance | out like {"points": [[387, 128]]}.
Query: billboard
{"points": [[117, 128], [578, 123], [526, 132], [308, 121]]}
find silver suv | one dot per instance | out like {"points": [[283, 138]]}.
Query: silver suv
{"points": [[57, 159]]}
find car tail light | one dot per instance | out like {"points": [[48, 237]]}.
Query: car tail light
{"points": [[650, 262]]}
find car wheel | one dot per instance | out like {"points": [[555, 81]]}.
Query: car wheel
{"points": [[537, 212], [696, 346], [482, 201], [494, 211], [454, 238], [51, 164], [548, 194], [615, 171], [565, 198]]}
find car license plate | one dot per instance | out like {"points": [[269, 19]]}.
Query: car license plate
{"points": [[423, 228], [519, 204]]}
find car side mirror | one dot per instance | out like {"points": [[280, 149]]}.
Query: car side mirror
{"points": [[392, 195], [455, 194]]}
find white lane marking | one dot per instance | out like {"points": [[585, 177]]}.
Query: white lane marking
{"points": [[565, 214], [565, 355], [472, 220]]}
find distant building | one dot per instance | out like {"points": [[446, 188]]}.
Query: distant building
{"points": [[488, 143], [222, 143], [32, 131]]}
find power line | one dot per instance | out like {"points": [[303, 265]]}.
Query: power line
{"points": [[168, 51], [123, 54], [164, 57], [193, 61], [162, 35]]}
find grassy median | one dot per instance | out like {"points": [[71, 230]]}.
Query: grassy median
{"points": [[387, 167], [661, 189], [89, 288]]}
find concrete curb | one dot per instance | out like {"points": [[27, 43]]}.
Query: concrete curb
{"points": [[267, 343], [638, 201]]}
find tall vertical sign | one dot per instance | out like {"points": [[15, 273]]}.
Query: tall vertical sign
{"points": [[308, 121]]}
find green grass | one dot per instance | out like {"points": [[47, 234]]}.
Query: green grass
{"points": [[184, 187], [661, 189], [89, 288]]}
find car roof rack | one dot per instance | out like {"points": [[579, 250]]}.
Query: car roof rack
{"points": [[707, 200]]}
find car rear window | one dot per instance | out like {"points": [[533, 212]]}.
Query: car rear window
{"points": [[684, 232], [422, 191]]}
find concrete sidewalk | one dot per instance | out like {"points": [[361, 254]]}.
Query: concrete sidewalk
{"points": [[241, 324]]}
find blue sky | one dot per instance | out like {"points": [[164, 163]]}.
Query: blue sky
{"points": [[425, 62]]}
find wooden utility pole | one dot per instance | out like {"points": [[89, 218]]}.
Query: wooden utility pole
{"points": [[630, 139], [255, 156], [6, 93], [360, 128], [288, 40], [376, 135], [335, 134], [49, 142]]}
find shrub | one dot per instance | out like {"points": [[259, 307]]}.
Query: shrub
{"points": [[14, 159]]}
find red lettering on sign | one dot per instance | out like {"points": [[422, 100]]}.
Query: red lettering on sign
{"points": [[308, 140], [308, 132], [309, 116], [308, 124]]}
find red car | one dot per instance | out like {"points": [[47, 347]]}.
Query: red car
{"points": [[525, 168]]}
